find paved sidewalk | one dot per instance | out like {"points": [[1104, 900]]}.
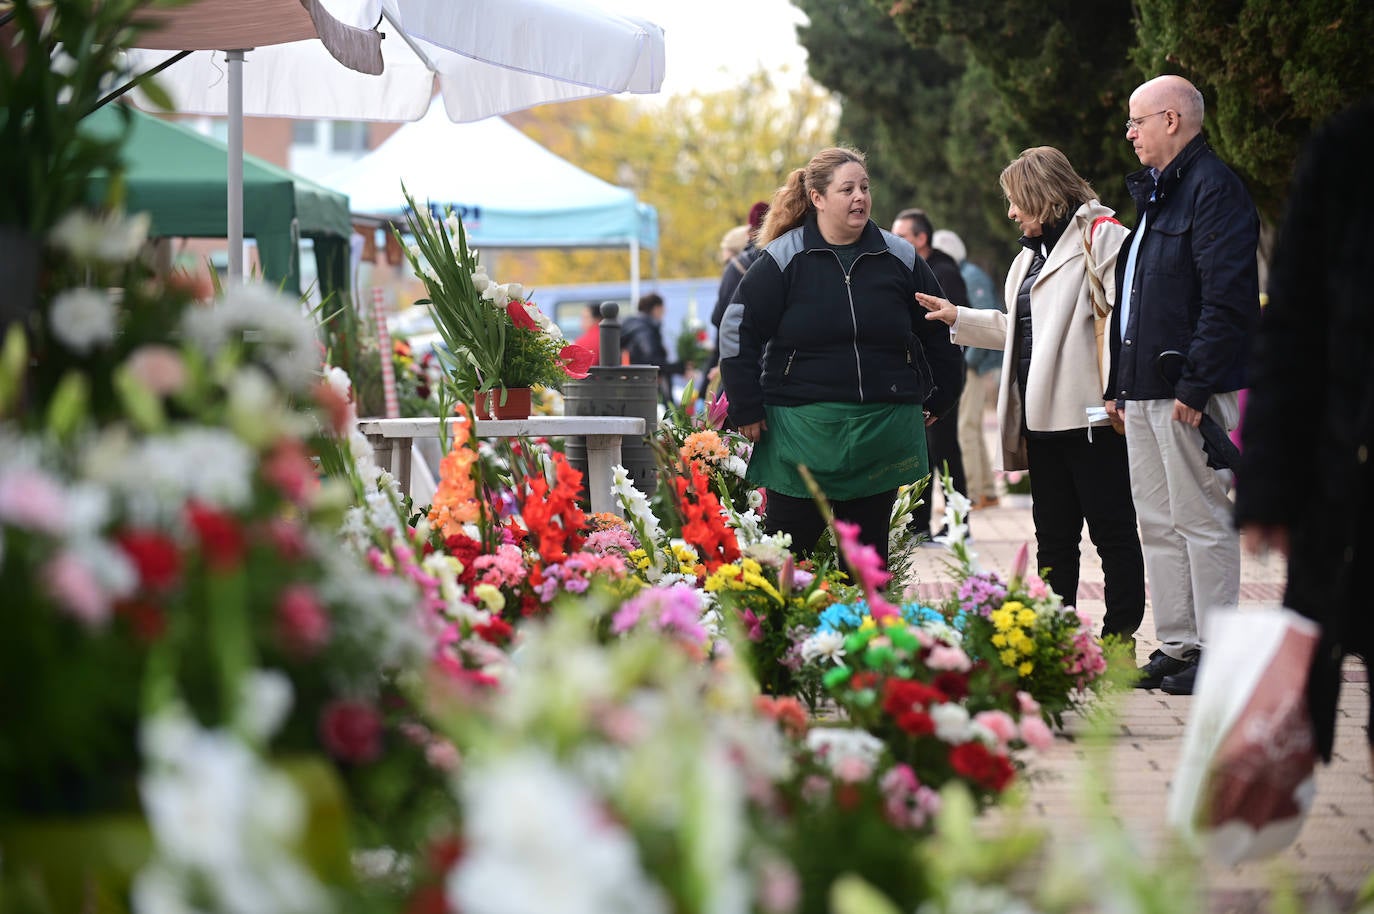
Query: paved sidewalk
{"points": [[1334, 854]]}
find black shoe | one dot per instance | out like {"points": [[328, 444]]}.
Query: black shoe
{"points": [[1160, 665], [1181, 683]]}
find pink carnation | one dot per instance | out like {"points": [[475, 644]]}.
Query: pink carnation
{"points": [[1036, 733], [998, 723], [947, 657], [351, 731], [161, 369], [31, 499], [73, 584]]}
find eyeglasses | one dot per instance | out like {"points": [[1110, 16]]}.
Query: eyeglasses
{"points": [[1133, 123]]}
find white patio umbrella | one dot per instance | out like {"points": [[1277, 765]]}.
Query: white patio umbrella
{"points": [[383, 59]]}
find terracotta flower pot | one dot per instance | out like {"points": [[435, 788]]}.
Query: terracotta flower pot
{"points": [[517, 405], [481, 407]]}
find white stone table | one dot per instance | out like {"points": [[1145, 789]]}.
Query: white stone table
{"points": [[392, 439]]}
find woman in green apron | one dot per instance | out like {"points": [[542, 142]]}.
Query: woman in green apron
{"points": [[826, 359]]}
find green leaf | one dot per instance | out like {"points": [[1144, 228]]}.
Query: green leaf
{"points": [[140, 404], [69, 403], [14, 359], [837, 677], [850, 894]]}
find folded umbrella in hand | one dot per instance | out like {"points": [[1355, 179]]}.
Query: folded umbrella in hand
{"points": [[1221, 451]]}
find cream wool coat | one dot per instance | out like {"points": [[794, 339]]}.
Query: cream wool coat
{"points": [[1064, 379]]}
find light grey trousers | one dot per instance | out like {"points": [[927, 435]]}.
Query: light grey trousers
{"points": [[1191, 545]]}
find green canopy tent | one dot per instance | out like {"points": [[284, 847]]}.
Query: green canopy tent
{"points": [[180, 178]]}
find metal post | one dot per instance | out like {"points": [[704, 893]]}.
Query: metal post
{"points": [[610, 335], [235, 61], [634, 272]]}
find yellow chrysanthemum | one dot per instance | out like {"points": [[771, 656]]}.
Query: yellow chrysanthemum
{"points": [[684, 554], [1002, 619], [1025, 617], [867, 625], [759, 582], [1025, 668], [1008, 657], [724, 577], [999, 640]]}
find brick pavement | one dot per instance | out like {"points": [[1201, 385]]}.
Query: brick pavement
{"points": [[1333, 855]]}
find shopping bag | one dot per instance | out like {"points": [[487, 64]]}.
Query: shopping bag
{"points": [[1246, 776]]}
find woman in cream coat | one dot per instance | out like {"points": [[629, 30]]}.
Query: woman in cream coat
{"points": [[1050, 405]]}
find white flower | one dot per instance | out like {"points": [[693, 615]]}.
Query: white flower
{"points": [[539, 841], [155, 477], [83, 319], [269, 324], [769, 551], [109, 238], [755, 499], [841, 747], [266, 700], [225, 827], [827, 644], [481, 281], [952, 724]]}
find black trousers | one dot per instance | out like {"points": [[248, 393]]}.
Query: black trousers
{"points": [[1072, 480], [801, 518], [942, 447]]}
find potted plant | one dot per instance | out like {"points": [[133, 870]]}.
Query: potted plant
{"points": [[496, 337]]}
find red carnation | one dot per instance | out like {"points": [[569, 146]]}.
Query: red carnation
{"points": [[465, 549], [901, 695], [952, 684], [302, 622], [494, 631], [917, 723], [156, 557], [220, 534], [975, 762], [351, 731], [147, 620]]}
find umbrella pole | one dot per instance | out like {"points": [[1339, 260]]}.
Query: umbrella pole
{"points": [[634, 272], [235, 200]]}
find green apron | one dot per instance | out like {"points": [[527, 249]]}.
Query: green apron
{"points": [[852, 449]]}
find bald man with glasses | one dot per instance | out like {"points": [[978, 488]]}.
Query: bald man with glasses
{"points": [[1188, 281]]}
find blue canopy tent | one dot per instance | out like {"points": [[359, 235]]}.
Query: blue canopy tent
{"points": [[510, 191]]}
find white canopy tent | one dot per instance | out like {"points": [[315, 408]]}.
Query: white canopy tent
{"points": [[327, 59], [509, 191]]}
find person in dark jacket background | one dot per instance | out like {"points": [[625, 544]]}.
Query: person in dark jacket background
{"points": [[983, 368], [942, 435], [1305, 484], [735, 268], [1188, 281], [642, 340], [826, 359]]}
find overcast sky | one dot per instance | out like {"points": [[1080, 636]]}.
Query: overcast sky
{"points": [[712, 43]]}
